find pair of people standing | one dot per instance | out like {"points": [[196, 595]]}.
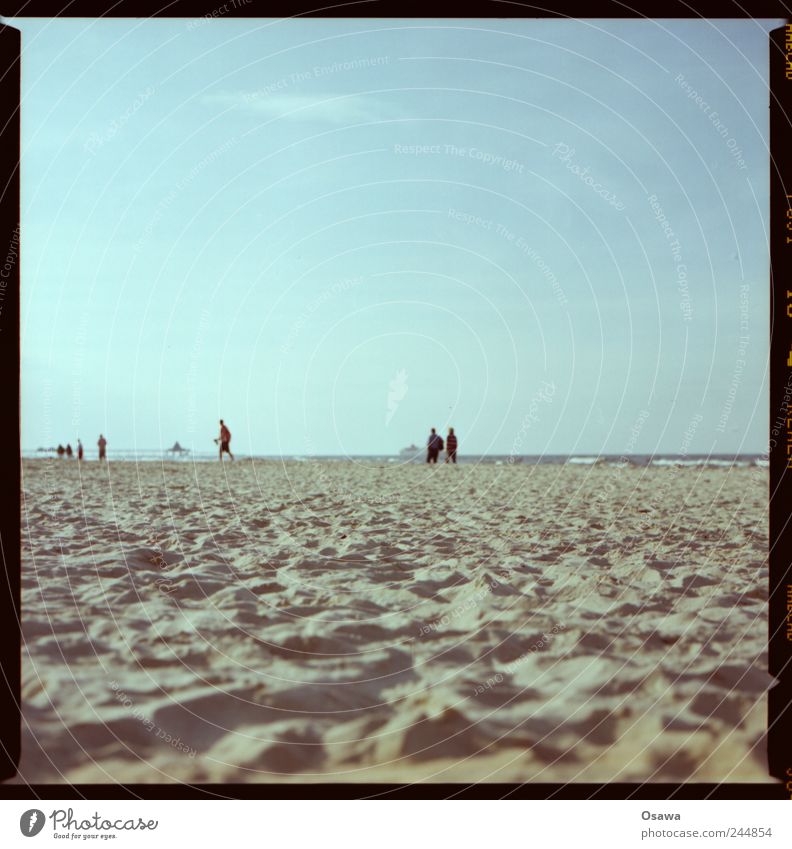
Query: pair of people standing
{"points": [[434, 446]]}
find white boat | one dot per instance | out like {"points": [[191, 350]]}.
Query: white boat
{"points": [[411, 454]]}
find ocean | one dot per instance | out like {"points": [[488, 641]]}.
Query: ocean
{"points": [[149, 455]]}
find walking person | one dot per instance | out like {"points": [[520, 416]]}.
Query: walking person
{"points": [[451, 446], [102, 443], [79, 450], [224, 441], [434, 446]]}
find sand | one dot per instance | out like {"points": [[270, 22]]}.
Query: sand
{"points": [[329, 621]]}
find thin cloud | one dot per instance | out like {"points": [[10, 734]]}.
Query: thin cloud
{"points": [[331, 109]]}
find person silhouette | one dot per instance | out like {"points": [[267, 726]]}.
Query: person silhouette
{"points": [[225, 441], [451, 446], [102, 443], [79, 450], [434, 445], [69, 452]]}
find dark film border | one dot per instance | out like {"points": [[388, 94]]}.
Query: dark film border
{"points": [[779, 741], [10, 459], [400, 8], [780, 554]]}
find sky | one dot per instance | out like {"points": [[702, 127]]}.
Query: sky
{"points": [[550, 235]]}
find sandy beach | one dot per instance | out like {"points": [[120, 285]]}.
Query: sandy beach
{"points": [[338, 621]]}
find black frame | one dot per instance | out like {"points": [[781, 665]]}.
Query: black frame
{"points": [[779, 736]]}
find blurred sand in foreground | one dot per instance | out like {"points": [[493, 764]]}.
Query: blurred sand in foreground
{"points": [[330, 621]]}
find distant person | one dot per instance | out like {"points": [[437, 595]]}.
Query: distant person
{"points": [[224, 441], [102, 443], [451, 446], [80, 452], [61, 450], [434, 446], [69, 452]]}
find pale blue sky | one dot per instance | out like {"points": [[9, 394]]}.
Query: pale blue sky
{"points": [[223, 219]]}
